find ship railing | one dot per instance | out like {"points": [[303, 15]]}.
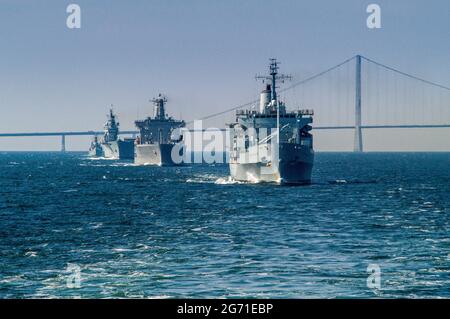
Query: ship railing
{"points": [[306, 112], [273, 113]]}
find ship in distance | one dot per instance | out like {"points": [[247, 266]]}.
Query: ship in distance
{"points": [[271, 144], [95, 150], [158, 135], [111, 146]]}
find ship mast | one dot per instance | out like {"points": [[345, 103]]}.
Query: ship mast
{"points": [[273, 77]]}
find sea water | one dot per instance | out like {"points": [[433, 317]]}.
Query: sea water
{"points": [[75, 227]]}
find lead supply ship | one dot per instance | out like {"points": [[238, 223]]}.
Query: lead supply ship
{"points": [[156, 138], [271, 144], [112, 146]]}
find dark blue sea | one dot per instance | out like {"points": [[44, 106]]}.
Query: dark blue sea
{"points": [[124, 231]]}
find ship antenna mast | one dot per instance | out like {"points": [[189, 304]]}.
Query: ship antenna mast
{"points": [[273, 77], [159, 102]]}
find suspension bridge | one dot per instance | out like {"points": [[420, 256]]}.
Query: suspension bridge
{"points": [[358, 94]]}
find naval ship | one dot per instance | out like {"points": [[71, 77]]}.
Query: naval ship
{"points": [[270, 144], [112, 146], [95, 150], [156, 138]]}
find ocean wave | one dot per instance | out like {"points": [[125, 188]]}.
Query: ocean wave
{"points": [[356, 181], [100, 158], [70, 191], [31, 254], [227, 181], [12, 279], [206, 178]]}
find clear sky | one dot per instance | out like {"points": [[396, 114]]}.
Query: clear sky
{"points": [[203, 54]]}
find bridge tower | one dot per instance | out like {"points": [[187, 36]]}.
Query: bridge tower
{"points": [[63, 143], [358, 144]]}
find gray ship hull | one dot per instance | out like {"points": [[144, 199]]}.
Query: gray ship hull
{"points": [[296, 163], [295, 167], [118, 149], [154, 154]]}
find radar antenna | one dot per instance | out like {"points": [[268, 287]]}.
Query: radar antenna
{"points": [[273, 77]]}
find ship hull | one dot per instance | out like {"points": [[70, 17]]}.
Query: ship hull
{"points": [[154, 154], [118, 149], [296, 163], [295, 167], [96, 152]]}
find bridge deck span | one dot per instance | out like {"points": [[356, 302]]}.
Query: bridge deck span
{"points": [[93, 133], [70, 133]]}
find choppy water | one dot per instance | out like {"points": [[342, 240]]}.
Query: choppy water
{"points": [[189, 232]]}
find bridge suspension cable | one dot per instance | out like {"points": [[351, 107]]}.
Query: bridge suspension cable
{"points": [[317, 75], [223, 112], [406, 74], [281, 91], [346, 98]]}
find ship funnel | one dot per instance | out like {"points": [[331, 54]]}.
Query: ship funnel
{"points": [[264, 99], [159, 103]]}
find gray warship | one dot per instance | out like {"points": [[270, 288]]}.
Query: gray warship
{"points": [[112, 146], [95, 150], [156, 137], [271, 144]]}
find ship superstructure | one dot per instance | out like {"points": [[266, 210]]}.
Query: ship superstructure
{"points": [[95, 150], [157, 136], [112, 146], [270, 144]]}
